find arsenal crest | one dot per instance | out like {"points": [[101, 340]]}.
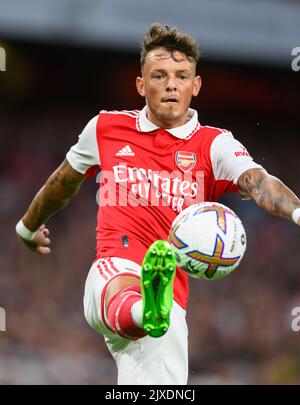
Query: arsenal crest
{"points": [[185, 160]]}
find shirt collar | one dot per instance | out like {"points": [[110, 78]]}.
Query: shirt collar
{"points": [[183, 131]]}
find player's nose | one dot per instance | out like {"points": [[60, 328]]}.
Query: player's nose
{"points": [[171, 84]]}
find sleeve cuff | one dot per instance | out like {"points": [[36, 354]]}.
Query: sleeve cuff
{"points": [[243, 168]]}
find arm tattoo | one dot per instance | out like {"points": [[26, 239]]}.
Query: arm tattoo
{"points": [[269, 192], [63, 184]]}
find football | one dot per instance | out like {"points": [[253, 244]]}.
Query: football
{"points": [[209, 240]]}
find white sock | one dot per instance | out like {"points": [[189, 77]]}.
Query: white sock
{"points": [[137, 313]]}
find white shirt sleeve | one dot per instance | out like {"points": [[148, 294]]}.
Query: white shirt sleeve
{"points": [[230, 158], [85, 153]]}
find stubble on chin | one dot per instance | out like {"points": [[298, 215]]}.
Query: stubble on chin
{"points": [[169, 117], [163, 117]]}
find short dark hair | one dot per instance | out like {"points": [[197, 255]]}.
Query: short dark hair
{"points": [[169, 38]]}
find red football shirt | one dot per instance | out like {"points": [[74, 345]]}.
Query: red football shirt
{"points": [[149, 174]]}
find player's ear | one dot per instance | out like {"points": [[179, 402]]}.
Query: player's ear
{"points": [[140, 86], [197, 85]]}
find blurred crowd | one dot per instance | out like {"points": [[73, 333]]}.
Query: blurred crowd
{"points": [[239, 327]]}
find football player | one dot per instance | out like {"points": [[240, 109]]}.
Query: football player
{"points": [[153, 163]]}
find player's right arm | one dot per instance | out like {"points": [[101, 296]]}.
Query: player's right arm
{"points": [[61, 186]]}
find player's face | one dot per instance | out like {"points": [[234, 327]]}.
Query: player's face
{"points": [[168, 83]]}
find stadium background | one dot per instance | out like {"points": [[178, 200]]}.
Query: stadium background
{"points": [[58, 75]]}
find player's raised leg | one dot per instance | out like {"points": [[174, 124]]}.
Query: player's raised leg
{"points": [[117, 300], [143, 360], [112, 301]]}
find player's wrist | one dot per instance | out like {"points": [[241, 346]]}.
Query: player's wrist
{"points": [[296, 215], [24, 232]]}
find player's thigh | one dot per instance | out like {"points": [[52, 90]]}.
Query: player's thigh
{"points": [[103, 272], [152, 361]]}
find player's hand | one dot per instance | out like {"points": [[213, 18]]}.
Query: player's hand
{"points": [[40, 243]]}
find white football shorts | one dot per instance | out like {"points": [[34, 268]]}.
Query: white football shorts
{"points": [[147, 361]]}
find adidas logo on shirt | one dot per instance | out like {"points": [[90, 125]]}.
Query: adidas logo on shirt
{"points": [[126, 151]]}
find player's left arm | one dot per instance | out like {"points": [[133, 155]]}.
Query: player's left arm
{"points": [[269, 193]]}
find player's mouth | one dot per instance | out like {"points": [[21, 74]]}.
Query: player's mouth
{"points": [[170, 100]]}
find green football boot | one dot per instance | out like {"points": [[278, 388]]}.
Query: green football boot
{"points": [[158, 272]]}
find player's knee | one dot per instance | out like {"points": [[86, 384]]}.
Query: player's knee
{"points": [[118, 284], [101, 287]]}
